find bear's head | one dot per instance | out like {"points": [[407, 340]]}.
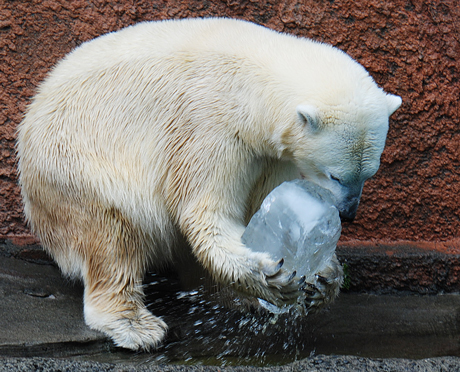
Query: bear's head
{"points": [[338, 143]]}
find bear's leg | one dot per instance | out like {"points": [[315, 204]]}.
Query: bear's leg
{"points": [[114, 305], [216, 242], [113, 299], [104, 249]]}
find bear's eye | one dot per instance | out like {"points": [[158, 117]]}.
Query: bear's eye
{"points": [[334, 178]]}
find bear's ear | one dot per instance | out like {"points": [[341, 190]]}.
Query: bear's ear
{"points": [[308, 116], [393, 103]]}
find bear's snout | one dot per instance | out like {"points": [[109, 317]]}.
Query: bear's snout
{"points": [[350, 214]]}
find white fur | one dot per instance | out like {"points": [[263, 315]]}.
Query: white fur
{"points": [[179, 129]]}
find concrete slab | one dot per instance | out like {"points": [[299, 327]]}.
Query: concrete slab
{"points": [[319, 363], [42, 319], [41, 311]]}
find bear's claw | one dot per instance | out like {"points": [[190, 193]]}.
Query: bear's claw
{"points": [[302, 280], [282, 285], [276, 271], [280, 264], [323, 280]]}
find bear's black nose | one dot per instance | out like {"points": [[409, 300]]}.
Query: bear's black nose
{"points": [[349, 214], [347, 218]]}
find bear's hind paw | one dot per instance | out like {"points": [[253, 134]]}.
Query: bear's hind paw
{"points": [[142, 331]]}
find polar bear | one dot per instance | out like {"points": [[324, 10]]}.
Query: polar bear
{"points": [[169, 134]]}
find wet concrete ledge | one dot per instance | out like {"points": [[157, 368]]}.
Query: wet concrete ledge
{"points": [[373, 267], [386, 267], [381, 317]]}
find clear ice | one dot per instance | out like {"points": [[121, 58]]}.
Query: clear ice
{"points": [[298, 222]]}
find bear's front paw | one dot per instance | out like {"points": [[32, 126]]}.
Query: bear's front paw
{"points": [[325, 287], [284, 283], [271, 282]]}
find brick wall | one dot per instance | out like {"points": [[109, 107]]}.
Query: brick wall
{"points": [[411, 48]]}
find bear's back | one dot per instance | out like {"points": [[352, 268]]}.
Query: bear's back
{"points": [[288, 56], [118, 109]]}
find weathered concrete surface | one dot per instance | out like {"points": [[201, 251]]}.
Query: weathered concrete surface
{"points": [[42, 317], [410, 48], [41, 313], [423, 267], [315, 364]]}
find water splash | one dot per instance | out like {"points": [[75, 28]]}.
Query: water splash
{"points": [[203, 331]]}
